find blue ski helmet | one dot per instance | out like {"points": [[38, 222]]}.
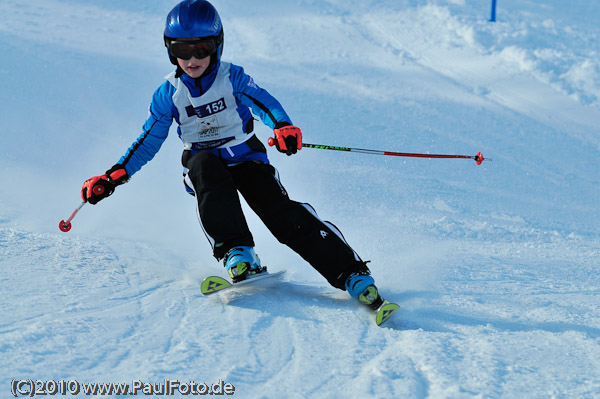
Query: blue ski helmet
{"points": [[194, 19]]}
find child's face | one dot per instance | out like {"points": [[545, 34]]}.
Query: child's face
{"points": [[194, 67]]}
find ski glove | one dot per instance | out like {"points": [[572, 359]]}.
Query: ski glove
{"points": [[97, 188], [288, 138]]}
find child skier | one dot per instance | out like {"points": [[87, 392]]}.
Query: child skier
{"points": [[211, 100]]}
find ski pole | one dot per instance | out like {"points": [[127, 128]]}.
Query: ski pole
{"points": [[65, 225], [478, 158]]}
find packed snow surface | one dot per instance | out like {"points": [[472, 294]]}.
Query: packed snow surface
{"points": [[495, 266]]}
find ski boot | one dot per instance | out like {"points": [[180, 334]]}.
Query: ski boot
{"points": [[241, 263], [362, 287]]}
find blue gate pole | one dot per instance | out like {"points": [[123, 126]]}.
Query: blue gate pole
{"points": [[493, 17]]}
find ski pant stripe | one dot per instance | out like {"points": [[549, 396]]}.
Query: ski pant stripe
{"points": [[208, 237]]}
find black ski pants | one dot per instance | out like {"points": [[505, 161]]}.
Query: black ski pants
{"points": [[293, 223]]}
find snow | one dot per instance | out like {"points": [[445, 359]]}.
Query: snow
{"points": [[495, 267]]}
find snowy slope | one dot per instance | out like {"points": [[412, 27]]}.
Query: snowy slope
{"points": [[495, 266]]}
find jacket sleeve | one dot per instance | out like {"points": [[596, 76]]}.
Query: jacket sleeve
{"points": [[154, 131], [258, 99]]}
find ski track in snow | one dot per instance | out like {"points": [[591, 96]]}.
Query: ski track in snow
{"points": [[495, 267]]}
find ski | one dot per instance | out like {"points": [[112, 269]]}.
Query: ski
{"points": [[214, 284], [384, 312]]}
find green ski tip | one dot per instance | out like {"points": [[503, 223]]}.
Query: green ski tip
{"points": [[384, 312], [213, 284]]}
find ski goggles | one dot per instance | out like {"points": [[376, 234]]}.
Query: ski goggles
{"points": [[197, 48]]}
